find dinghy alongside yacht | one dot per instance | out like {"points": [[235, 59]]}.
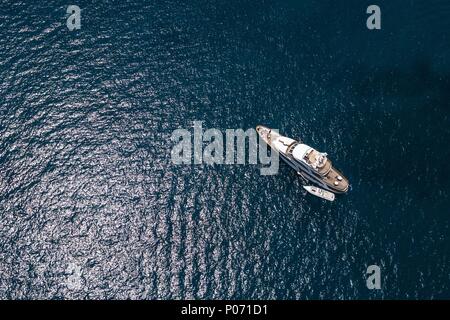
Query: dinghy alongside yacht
{"points": [[327, 195], [312, 165]]}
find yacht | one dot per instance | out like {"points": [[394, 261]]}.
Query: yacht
{"points": [[312, 165]]}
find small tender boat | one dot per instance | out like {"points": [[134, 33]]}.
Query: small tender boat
{"points": [[327, 195]]}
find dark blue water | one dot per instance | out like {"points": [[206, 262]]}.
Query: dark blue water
{"points": [[92, 207]]}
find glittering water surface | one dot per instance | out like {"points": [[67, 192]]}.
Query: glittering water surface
{"points": [[91, 206]]}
